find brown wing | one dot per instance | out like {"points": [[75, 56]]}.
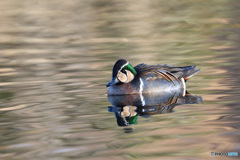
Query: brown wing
{"points": [[168, 70], [141, 68]]}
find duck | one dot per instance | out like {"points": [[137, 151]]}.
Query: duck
{"points": [[148, 79]]}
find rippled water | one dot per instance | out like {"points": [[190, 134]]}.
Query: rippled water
{"points": [[57, 56]]}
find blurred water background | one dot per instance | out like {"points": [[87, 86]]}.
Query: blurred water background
{"points": [[56, 57]]}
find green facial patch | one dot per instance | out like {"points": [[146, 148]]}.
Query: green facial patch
{"points": [[130, 68], [133, 120]]}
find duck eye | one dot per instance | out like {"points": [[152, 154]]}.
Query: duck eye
{"points": [[124, 71]]}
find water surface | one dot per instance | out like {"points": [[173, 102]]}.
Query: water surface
{"points": [[57, 56]]}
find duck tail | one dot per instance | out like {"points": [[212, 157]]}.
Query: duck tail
{"points": [[190, 73]]}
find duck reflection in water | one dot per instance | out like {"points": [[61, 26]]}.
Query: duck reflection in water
{"points": [[128, 108]]}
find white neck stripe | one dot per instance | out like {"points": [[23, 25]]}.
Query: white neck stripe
{"points": [[141, 90]]}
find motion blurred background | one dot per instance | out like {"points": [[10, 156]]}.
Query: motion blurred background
{"points": [[56, 57]]}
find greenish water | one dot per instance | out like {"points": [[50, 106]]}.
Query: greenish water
{"points": [[56, 58]]}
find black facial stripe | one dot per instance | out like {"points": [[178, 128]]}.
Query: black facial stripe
{"points": [[124, 71]]}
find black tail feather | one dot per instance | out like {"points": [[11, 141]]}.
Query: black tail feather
{"points": [[190, 73]]}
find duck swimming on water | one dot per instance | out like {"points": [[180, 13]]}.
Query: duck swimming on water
{"points": [[146, 79]]}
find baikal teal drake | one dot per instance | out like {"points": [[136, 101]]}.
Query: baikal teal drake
{"points": [[148, 79]]}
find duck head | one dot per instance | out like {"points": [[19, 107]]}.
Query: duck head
{"points": [[123, 72]]}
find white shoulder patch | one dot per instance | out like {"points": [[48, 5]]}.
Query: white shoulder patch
{"points": [[184, 86]]}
